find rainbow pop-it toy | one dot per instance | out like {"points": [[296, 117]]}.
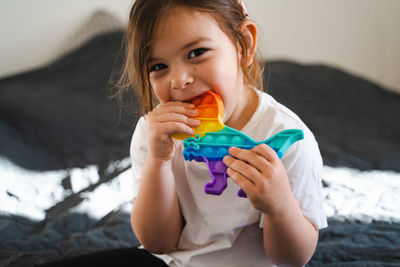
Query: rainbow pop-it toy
{"points": [[213, 139]]}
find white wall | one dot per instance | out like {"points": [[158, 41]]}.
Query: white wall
{"points": [[33, 32], [359, 36]]}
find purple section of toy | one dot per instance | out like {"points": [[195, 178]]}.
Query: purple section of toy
{"points": [[217, 170]]}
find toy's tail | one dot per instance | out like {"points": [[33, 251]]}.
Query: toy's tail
{"points": [[281, 141]]}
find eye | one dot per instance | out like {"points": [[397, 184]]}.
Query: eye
{"points": [[197, 52], [158, 67]]}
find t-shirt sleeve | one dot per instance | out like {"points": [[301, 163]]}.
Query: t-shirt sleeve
{"points": [[303, 164], [138, 153]]}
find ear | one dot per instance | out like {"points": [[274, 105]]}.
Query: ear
{"points": [[250, 33]]}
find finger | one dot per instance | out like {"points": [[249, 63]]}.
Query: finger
{"points": [[245, 184], [170, 128], [175, 117], [266, 152], [186, 105], [254, 159], [179, 103], [179, 108], [242, 168]]}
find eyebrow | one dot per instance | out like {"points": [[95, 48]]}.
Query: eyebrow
{"points": [[201, 39], [186, 46]]}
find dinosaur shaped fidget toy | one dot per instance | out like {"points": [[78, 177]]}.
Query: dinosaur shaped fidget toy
{"points": [[213, 139]]}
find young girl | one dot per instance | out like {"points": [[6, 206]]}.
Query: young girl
{"points": [[177, 50]]}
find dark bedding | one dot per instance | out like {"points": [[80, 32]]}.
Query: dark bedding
{"points": [[356, 122], [60, 117]]}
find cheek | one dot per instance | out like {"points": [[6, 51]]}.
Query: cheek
{"points": [[227, 67], [229, 77], [223, 75], [226, 76], [159, 90]]}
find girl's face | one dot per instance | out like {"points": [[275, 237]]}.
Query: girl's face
{"points": [[190, 54]]}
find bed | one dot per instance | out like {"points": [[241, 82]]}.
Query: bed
{"points": [[64, 149]]}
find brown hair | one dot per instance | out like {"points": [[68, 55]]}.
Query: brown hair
{"points": [[143, 19]]}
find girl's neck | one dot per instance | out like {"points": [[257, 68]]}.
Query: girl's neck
{"points": [[244, 112]]}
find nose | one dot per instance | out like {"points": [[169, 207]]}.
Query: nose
{"points": [[181, 77]]}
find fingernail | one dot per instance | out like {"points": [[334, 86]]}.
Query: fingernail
{"points": [[194, 122], [233, 149], [226, 160]]}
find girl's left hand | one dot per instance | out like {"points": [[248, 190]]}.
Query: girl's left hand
{"points": [[261, 175]]}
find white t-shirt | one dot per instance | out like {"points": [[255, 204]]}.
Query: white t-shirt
{"points": [[226, 230]]}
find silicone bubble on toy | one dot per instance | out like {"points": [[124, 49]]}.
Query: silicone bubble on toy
{"points": [[212, 140]]}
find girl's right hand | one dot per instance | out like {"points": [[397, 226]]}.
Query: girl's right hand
{"points": [[165, 120]]}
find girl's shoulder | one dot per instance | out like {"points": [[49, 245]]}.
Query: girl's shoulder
{"points": [[279, 112], [272, 117]]}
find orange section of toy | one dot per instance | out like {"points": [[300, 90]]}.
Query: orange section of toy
{"points": [[211, 113]]}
